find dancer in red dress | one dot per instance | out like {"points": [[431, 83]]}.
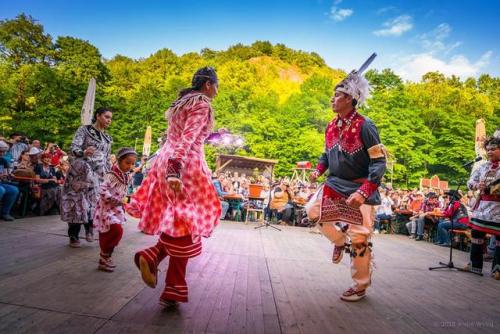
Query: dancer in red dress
{"points": [[177, 199]]}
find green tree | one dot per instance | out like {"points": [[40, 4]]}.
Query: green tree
{"points": [[23, 41], [77, 61]]}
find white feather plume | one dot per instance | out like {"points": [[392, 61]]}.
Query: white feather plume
{"points": [[357, 86]]}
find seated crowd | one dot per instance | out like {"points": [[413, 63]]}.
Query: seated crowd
{"points": [[426, 214], [30, 176], [282, 201]]}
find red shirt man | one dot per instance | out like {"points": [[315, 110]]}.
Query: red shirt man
{"points": [[55, 154]]}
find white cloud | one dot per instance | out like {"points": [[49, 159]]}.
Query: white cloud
{"points": [[434, 41], [442, 31], [339, 14], [396, 26], [384, 10], [414, 66]]}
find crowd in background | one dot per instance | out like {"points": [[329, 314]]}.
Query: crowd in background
{"points": [[422, 214], [32, 174], [282, 201]]}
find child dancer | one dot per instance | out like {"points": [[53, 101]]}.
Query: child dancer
{"points": [[109, 214]]}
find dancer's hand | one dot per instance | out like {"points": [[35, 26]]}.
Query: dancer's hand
{"points": [[175, 184], [89, 151], [355, 200]]}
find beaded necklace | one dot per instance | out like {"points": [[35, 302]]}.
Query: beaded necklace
{"points": [[340, 123]]}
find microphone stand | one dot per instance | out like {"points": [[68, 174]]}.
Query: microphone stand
{"points": [[450, 264]]}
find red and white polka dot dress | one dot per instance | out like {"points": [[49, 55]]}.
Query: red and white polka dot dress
{"points": [[196, 209]]}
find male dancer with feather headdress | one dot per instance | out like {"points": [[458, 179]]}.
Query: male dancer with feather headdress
{"points": [[355, 161]]}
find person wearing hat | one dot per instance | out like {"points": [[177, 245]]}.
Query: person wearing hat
{"points": [[34, 154], [485, 218], [8, 192], [355, 162], [109, 212], [455, 212]]}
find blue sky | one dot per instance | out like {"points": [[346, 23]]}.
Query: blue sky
{"points": [[412, 37]]}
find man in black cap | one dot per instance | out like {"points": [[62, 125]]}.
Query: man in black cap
{"points": [[456, 213]]}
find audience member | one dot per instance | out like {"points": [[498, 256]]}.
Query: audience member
{"points": [[455, 213], [384, 210], [221, 193], [36, 143], [19, 144], [8, 191], [281, 203], [138, 170], [414, 207], [47, 176], [34, 154], [425, 214], [55, 154]]}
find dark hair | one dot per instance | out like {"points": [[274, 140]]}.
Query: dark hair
{"points": [[100, 111], [201, 76], [492, 141], [21, 155], [453, 194], [432, 195]]}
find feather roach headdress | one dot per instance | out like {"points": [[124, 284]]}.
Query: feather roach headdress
{"points": [[356, 85]]}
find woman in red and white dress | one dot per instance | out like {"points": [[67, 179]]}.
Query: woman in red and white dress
{"points": [[177, 199]]}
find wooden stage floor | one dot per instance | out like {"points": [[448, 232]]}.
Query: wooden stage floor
{"points": [[246, 281]]}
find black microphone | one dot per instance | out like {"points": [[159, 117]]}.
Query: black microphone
{"points": [[472, 162]]}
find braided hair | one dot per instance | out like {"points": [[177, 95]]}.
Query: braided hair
{"points": [[201, 76]]}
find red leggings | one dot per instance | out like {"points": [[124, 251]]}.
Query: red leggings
{"points": [[109, 240], [180, 250]]}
